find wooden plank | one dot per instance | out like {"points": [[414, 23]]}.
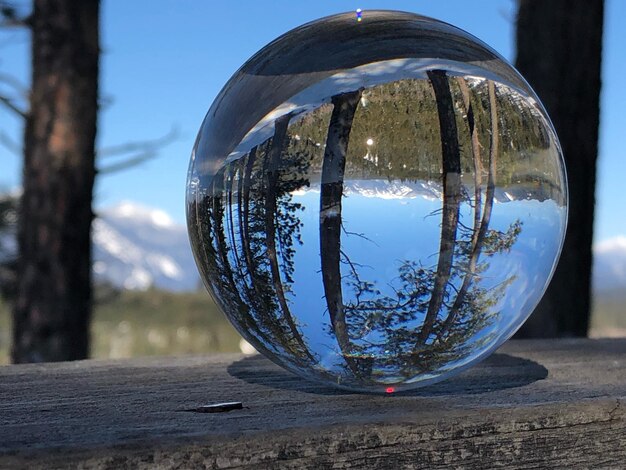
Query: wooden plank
{"points": [[534, 404]]}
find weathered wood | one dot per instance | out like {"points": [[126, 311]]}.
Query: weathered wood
{"points": [[534, 404]]}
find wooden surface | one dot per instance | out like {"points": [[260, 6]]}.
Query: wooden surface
{"points": [[534, 404]]}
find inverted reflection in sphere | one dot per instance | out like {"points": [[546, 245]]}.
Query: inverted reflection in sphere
{"points": [[376, 204]]}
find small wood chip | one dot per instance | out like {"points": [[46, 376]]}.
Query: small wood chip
{"points": [[217, 407]]}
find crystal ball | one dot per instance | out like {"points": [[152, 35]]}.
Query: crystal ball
{"points": [[376, 202]]}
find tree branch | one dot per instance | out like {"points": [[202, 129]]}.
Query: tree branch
{"points": [[144, 150], [10, 144], [9, 104], [15, 83], [10, 16], [141, 145], [127, 163]]}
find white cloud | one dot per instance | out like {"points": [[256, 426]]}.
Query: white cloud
{"points": [[609, 264], [611, 245]]}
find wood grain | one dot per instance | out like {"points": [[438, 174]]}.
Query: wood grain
{"points": [[534, 404]]}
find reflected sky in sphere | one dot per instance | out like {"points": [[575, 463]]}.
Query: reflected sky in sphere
{"points": [[378, 204]]}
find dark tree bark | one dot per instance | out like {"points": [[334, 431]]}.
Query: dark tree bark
{"points": [[219, 231], [330, 215], [271, 209], [451, 159], [245, 202], [53, 304], [229, 186], [245, 234], [476, 158], [559, 46]]}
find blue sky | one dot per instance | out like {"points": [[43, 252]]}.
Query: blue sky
{"points": [[164, 61]]}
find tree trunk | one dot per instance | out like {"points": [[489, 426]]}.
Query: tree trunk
{"points": [[245, 202], [559, 45], [451, 158], [330, 216], [54, 298], [480, 228], [271, 209], [229, 186], [476, 158]]}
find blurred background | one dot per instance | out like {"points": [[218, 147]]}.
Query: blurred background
{"points": [[161, 64]]}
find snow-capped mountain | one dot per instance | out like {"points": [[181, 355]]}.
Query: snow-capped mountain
{"points": [[609, 266], [136, 247], [429, 190], [394, 189]]}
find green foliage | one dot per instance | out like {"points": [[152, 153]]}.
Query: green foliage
{"points": [[149, 323], [156, 322], [401, 120], [164, 323], [609, 314]]}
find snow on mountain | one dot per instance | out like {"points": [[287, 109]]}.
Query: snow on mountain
{"points": [[430, 190], [136, 247], [394, 189], [383, 189], [609, 267]]}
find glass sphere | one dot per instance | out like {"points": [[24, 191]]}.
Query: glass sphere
{"points": [[376, 201]]}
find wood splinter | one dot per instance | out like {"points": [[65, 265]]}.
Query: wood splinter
{"points": [[216, 407]]}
